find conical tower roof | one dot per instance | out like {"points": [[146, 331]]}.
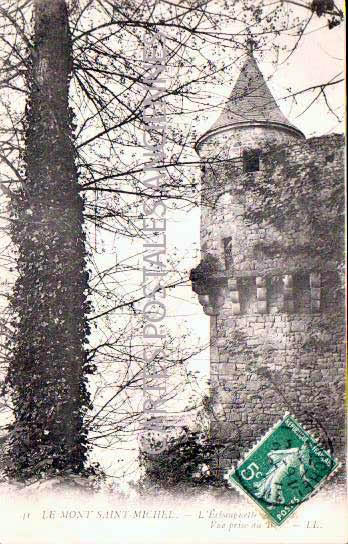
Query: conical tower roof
{"points": [[251, 103]]}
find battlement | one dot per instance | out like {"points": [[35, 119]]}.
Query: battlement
{"points": [[294, 292]]}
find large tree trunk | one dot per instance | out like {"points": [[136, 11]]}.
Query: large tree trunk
{"points": [[48, 365]]}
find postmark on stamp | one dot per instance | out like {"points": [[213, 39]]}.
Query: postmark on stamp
{"points": [[283, 469]]}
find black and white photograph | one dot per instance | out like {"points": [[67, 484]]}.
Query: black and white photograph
{"points": [[172, 272]]}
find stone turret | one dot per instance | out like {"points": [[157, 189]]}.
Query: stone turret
{"points": [[251, 119], [268, 276]]}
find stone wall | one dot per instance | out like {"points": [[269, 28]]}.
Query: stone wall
{"points": [[277, 333], [265, 365], [230, 142], [310, 170]]}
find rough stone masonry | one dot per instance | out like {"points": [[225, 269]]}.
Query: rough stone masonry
{"points": [[270, 277]]}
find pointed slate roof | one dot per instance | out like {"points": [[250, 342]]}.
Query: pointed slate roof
{"points": [[251, 103]]}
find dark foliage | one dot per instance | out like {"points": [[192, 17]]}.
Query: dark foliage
{"points": [[47, 372], [185, 463]]}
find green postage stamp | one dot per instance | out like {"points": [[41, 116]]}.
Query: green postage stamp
{"points": [[283, 470]]}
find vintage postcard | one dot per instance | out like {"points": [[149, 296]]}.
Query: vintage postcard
{"points": [[172, 272]]}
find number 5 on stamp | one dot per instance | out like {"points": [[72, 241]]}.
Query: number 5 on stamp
{"points": [[251, 468]]}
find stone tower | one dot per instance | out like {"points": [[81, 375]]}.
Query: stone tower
{"points": [[271, 240]]}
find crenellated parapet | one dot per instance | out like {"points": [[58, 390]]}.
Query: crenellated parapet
{"points": [[219, 289]]}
